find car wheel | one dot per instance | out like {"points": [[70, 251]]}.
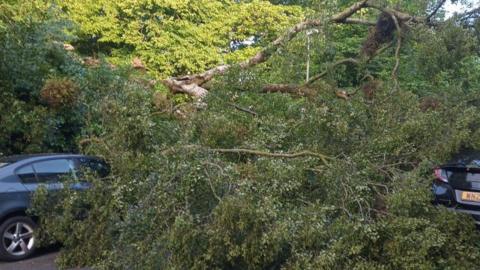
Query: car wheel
{"points": [[17, 239]]}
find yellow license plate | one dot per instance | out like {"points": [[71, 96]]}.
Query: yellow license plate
{"points": [[470, 196]]}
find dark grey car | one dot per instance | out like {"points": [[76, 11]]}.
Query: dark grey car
{"points": [[20, 176], [457, 184]]}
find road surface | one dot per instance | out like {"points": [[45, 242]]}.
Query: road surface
{"points": [[44, 259]]}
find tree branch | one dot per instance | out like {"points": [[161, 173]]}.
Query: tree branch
{"points": [[359, 21], [322, 157], [467, 16], [299, 89], [435, 10], [242, 109], [324, 73], [193, 85], [401, 16], [348, 12], [179, 86], [380, 51], [397, 51]]}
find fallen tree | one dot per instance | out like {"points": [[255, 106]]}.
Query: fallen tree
{"points": [[263, 181]]}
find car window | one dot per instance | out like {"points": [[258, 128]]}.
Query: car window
{"points": [[89, 165], [27, 174], [474, 177], [53, 170], [96, 166]]}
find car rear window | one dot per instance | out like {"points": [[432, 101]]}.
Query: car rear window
{"points": [[473, 177]]}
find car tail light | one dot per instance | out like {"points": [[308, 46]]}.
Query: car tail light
{"points": [[441, 175]]}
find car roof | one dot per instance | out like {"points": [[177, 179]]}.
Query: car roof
{"points": [[18, 158]]}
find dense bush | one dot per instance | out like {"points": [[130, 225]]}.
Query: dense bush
{"points": [[29, 57]]}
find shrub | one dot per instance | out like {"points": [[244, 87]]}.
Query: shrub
{"points": [[59, 92]]}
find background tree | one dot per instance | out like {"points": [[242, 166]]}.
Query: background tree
{"points": [[177, 37]]}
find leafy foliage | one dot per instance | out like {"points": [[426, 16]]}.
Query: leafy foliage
{"points": [[29, 58], [178, 37], [181, 205]]}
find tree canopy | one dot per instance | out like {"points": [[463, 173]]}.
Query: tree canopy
{"points": [[177, 37]]}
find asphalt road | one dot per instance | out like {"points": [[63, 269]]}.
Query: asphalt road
{"points": [[44, 259]]}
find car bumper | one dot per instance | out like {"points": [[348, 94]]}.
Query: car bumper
{"points": [[447, 196], [444, 194]]}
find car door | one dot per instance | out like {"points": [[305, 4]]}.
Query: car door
{"points": [[50, 173], [13, 195]]}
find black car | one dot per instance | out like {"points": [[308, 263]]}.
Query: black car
{"points": [[20, 176], [457, 184]]}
